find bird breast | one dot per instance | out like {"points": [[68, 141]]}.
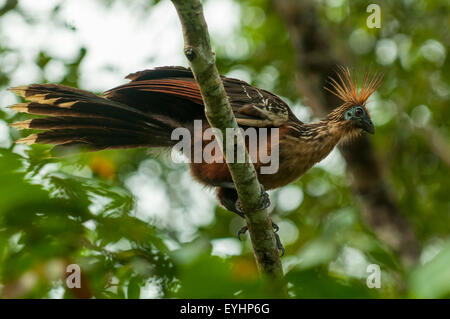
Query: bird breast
{"points": [[296, 157]]}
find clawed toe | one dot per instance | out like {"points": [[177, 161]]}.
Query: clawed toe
{"points": [[275, 227], [238, 208], [242, 231], [279, 244], [265, 202], [265, 198], [277, 238]]}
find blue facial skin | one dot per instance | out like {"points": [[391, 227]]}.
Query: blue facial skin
{"points": [[359, 116]]}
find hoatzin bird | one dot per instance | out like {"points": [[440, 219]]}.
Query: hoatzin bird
{"points": [[145, 111]]}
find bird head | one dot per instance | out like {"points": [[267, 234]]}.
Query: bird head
{"points": [[358, 117], [352, 116]]}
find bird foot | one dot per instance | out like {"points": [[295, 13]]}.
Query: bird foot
{"points": [[265, 202], [265, 199], [275, 227], [241, 231]]}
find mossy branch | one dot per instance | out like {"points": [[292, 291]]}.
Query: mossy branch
{"points": [[218, 111]]}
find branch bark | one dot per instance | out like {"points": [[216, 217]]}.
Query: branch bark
{"points": [[315, 62], [220, 115]]}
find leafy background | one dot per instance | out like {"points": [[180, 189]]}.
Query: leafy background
{"points": [[136, 223]]}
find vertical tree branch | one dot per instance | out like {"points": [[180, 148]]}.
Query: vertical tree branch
{"points": [[220, 115], [315, 62]]}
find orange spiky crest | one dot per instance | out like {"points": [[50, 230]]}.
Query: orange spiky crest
{"points": [[347, 89]]}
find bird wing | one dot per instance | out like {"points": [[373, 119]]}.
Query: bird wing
{"points": [[255, 107], [173, 91]]}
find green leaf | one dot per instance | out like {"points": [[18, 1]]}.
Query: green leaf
{"points": [[134, 288], [317, 283], [432, 280]]}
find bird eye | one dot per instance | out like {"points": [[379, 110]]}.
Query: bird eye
{"points": [[359, 111]]}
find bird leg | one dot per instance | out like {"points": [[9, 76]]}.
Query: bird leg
{"points": [[228, 197]]}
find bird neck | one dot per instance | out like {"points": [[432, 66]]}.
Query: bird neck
{"points": [[325, 134], [318, 139], [325, 131]]}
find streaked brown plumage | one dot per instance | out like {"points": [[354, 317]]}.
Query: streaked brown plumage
{"points": [[143, 113]]}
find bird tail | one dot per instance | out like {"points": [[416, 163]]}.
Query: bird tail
{"points": [[75, 117]]}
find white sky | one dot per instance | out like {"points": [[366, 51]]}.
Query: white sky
{"points": [[126, 38]]}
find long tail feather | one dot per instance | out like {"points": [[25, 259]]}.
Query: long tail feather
{"points": [[77, 117]]}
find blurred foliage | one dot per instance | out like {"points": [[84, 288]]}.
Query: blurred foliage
{"points": [[81, 208]]}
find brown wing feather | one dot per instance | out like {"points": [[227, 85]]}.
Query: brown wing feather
{"points": [[142, 112], [172, 91]]}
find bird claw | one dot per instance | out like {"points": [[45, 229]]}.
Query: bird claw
{"points": [[279, 244], [265, 199], [241, 231], [277, 239], [275, 227], [265, 202]]}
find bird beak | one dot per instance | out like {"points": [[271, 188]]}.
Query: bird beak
{"points": [[367, 125]]}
